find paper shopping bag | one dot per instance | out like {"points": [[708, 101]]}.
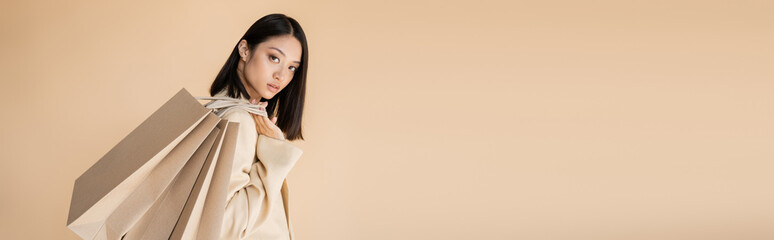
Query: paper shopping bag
{"points": [[142, 198], [160, 219], [203, 213], [215, 203], [171, 134]]}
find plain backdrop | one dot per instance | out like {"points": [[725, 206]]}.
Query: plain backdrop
{"points": [[483, 119]]}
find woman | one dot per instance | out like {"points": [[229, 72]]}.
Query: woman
{"points": [[267, 67]]}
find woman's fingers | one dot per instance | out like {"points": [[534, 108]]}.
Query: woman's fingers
{"points": [[263, 123], [266, 126], [271, 128], [260, 122]]}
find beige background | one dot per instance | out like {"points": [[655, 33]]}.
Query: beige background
{"points": [[428, 119]]}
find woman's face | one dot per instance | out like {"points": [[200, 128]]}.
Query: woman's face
{"points": [[270, 66]]}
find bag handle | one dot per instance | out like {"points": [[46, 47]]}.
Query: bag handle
{"points": [[221, 105]]}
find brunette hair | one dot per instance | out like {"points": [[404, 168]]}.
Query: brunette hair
{"points": [[288, 103]]}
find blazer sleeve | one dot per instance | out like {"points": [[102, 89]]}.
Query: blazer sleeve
{"points": [[261, 164]]}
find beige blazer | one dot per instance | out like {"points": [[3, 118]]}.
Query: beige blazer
{"points": [[257, 201]]}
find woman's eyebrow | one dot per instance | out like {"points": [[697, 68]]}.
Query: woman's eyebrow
{"points": [[283, 54]]}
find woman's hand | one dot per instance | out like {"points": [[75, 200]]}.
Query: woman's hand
{"points": [[267, 127]]}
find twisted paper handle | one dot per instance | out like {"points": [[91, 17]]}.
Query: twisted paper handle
{"points": [[221, 105]]}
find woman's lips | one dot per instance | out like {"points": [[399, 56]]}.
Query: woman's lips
{"points": [[273, 88]]}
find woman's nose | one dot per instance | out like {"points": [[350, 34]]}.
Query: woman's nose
{"points": [[281, 75], [278, 77]]}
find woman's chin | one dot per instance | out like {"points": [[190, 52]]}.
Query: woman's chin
{"points": [[267, 95]]}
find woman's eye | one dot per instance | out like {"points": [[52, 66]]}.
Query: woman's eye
{"points": [[273, 57], [293, 69]]}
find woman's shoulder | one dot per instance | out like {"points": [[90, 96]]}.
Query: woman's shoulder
{"points": [[244, 118], [236, 114]]}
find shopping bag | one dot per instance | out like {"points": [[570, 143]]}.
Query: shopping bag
{"points": [[168, 214], [213, 210], [163, 181], [203, 213], [160, 219], [142, 198], [171, 134]]}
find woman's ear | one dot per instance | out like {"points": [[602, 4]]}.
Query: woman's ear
{"points": [[244, 52]]}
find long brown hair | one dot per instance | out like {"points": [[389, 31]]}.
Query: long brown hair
{"points": [[288, 103]]}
